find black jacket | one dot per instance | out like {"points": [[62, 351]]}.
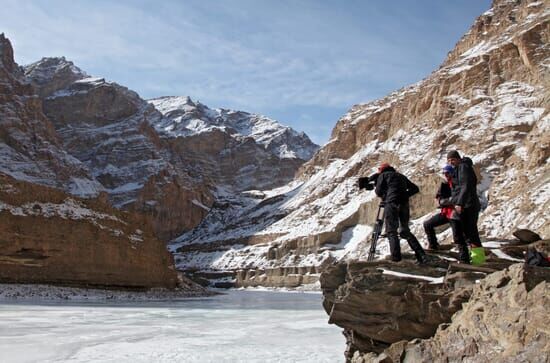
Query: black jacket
{"points": [[444, 195], [464, 186], [394, 187], [444, 191]]}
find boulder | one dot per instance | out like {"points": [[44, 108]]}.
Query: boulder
{"points": [[440, 312], [526, 236], [381, 303], [505, 320]]}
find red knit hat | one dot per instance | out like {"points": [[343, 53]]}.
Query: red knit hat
{"points": [[383, 167]]}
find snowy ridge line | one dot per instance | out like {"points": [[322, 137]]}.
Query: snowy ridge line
{"points": [[499, 12], [184, 118], [472, 57]]}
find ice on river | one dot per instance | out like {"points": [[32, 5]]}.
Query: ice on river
{"points": [[241, 326]]}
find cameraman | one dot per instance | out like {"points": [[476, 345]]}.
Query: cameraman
{"points": [[395, 189]]}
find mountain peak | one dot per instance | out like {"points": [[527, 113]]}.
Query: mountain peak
{"points": [[51, 74], [171, 103], [6, 54], [49, 66]]}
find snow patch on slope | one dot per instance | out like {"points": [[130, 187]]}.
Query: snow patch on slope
{"points": [[69, 209]]}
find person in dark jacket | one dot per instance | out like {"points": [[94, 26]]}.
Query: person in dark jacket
{"points": [[464, 197], [449, 215], [395, 189], [443, 197]]}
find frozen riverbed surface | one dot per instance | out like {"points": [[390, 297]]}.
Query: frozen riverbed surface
{"points": [[241, 326]]}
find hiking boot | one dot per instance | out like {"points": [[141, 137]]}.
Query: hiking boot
{"points": [[463, 254], [432, 239], [422, 259], [392, 258], [395, 247], [433, 247]]}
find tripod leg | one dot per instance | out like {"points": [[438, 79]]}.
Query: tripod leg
{"points": [[377, 231]]}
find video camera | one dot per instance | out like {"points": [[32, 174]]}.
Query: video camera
{"points": [[368, 182]]}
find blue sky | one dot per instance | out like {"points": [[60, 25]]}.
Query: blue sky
{"points": [[302, 62]]}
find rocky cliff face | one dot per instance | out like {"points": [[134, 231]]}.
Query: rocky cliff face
{"points": [[169, 167], [30, 149], [489, 99], [501, 318], [108, 128], [504, 321], [48, 236]]}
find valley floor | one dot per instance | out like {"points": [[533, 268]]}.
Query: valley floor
{"points": [[237, 326]]}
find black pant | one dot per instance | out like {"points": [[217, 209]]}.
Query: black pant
{"points": [[439, 220], [396, 216], [468, 218]]}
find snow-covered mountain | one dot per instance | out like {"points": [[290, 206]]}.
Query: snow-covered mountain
{"points": [[60, 127], [107, 127], [48, 235], [489, 99], [170, 167], [235, 150], [183, 117], [262, 216]]}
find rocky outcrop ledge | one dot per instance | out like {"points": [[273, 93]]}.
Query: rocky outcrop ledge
{"points": [[443, 312]]}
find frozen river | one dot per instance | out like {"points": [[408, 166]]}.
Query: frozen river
{"points": [[242, 326]]}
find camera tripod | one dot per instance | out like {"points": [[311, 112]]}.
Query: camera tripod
{"points": [[376, 232]]}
